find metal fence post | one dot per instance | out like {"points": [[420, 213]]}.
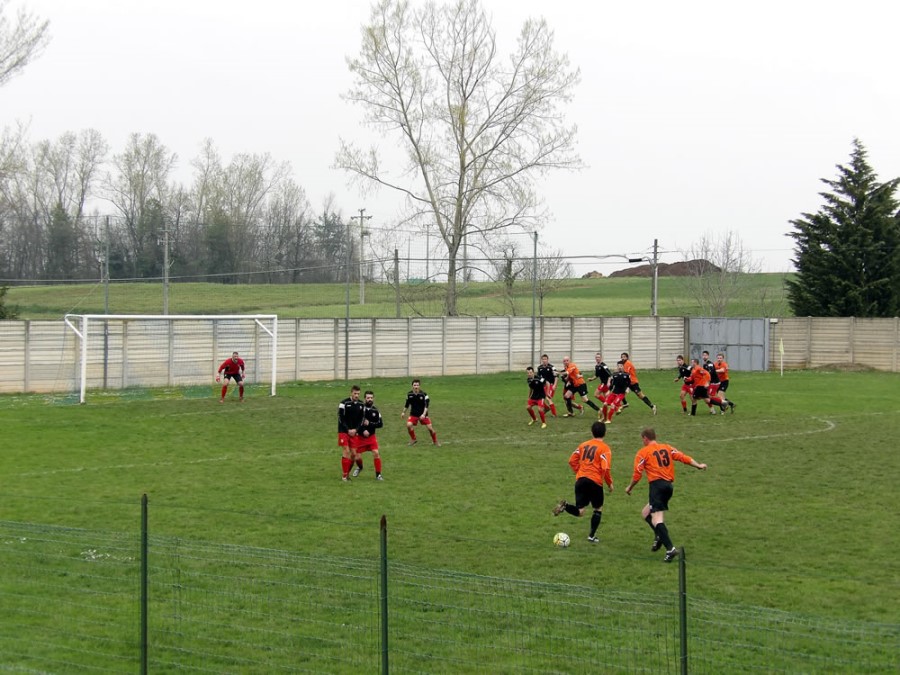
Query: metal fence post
{"points": [[384, 598], [682, 611], [144, 584]]}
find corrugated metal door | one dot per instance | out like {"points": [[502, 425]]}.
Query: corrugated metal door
{"points": [[745, 342]]}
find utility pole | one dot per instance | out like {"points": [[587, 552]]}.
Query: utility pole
{"points": [[655, 265], [362, 233], [534, 268], [347, 302], [397, 280], [105, 273], [165, 272], [654, 275]]}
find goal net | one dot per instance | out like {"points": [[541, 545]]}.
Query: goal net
{"points": [[119, 351]]}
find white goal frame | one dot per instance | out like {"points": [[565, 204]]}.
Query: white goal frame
{"points": [[81, 323]]}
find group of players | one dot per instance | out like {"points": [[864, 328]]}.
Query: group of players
{"points": [[706, 381], [359, 421], [611, 388]]}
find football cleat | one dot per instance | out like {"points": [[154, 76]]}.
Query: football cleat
{"points": [[378, 476], [593, 540], [653, 408], [356, 471], [346, 479], [531, 422], [559, 508], [543, 425], [411, 443], [671, 555], [657, 544], [731, 405]]}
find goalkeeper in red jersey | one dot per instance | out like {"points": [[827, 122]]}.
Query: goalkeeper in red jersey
{"points": [[233, 369]]}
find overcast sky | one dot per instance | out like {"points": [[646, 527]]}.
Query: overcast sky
{"points": [[693, 117]]}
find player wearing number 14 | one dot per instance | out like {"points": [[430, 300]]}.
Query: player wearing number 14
{"points": [[591, 462]]}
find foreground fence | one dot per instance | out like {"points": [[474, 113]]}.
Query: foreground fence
{"points": [[77, 600]]}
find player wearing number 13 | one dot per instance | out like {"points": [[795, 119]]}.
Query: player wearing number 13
{"points": [[657, 461]]}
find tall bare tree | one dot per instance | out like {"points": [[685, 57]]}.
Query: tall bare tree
{"points": [[21, 40], [720, 268], [476, 129], [137, 187]]}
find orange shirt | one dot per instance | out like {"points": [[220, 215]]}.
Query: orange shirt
{"points": [[574, 375], [700, 376], [722, 370], [593, 459], [632, 373], [656, 460]]}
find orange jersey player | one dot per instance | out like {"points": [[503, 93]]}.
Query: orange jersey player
{"points": [[591, 462], [657, 461], [700, 383], [635, 386], [575, 385], [724, 379]]}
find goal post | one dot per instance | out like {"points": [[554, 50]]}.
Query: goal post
{"points": [[118, 351]]}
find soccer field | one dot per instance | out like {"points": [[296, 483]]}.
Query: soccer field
{"points": [[793, 516]]}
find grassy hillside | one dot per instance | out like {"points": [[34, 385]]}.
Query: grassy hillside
{"points": [[759, 295]]}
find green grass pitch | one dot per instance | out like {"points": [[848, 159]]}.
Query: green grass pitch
{"points": [[795, 512]]}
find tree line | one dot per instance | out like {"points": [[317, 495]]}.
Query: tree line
{"points": [[244, 215]]}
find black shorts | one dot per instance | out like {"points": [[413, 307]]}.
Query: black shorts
{"points": [[635, 387], [723, 385], [236, 376], [660, 494], [700, 392], [581, 389], [588, 492]]}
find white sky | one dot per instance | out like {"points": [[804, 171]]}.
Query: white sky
{"points": [[693, 117]]}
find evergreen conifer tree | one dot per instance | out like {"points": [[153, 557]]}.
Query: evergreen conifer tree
{"points": [[848, 253]]}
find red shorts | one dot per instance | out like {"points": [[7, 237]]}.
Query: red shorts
{"points": [[549, 389], [539, 402], [418, 420], [713, 389], [614, 400], [366, 444], [687, 388], [601, 390], [345, 440]]}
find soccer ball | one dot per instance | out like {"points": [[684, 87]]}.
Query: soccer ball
{"points": [[561, 539]]}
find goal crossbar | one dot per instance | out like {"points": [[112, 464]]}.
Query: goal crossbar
{"points": [[80, 325]]}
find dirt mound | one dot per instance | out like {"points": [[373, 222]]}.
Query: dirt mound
{"points": [[687, 268]]}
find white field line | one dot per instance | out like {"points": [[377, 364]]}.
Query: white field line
{"points": [[829, 425], [512, 439]]}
